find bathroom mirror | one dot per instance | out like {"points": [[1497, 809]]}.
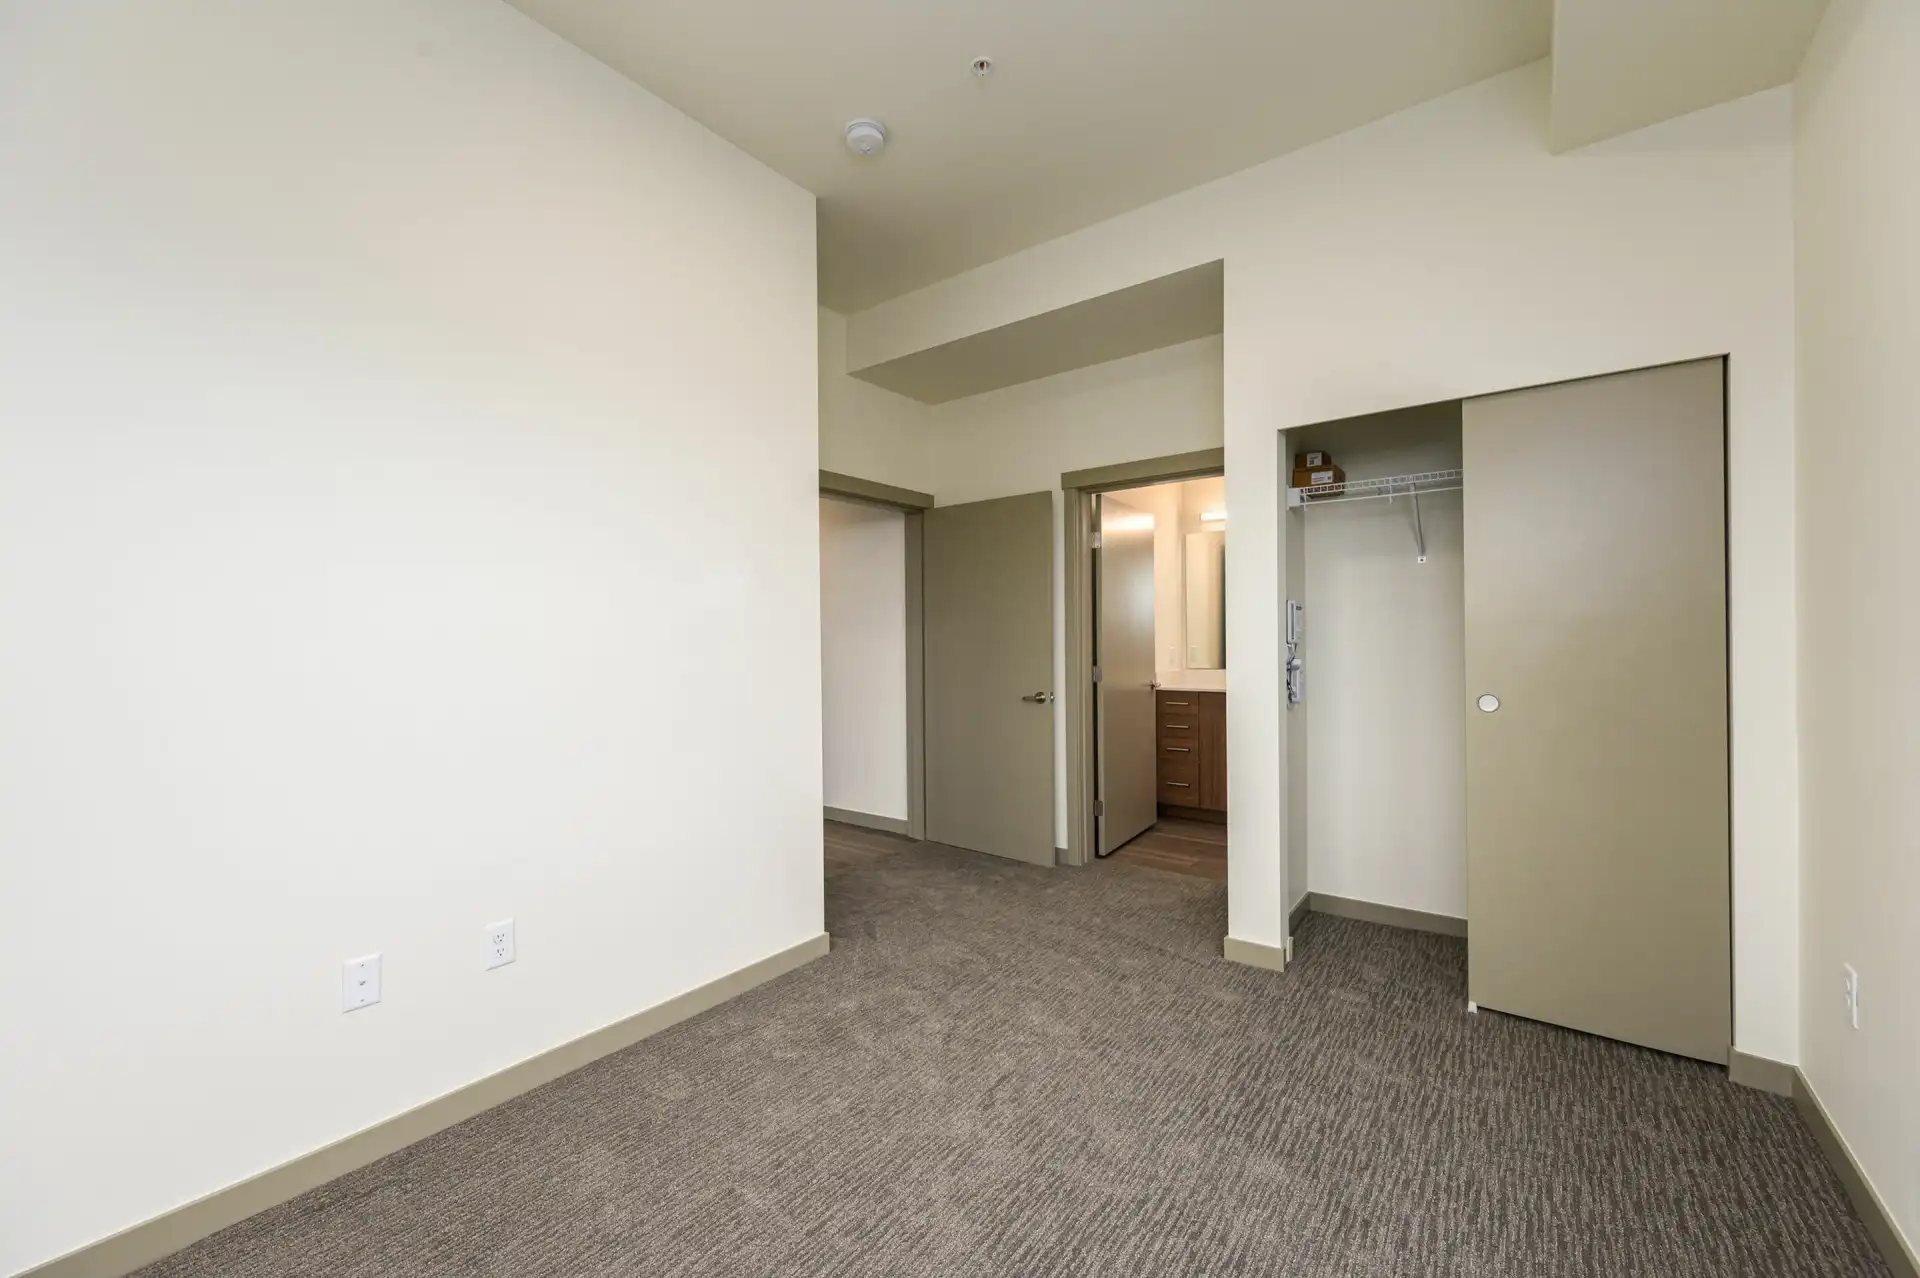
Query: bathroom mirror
{"points": [[1206, 600]]}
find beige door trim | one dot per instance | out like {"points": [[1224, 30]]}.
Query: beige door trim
{"points": [[914, 506], [853, 488], [916, 677], [1152, 470], [1079, 488]]}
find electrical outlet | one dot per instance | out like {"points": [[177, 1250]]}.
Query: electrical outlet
{"points": [[360, 983], [1853, 994], [499, 944]]}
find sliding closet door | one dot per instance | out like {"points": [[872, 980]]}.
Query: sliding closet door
{"points": [[1596, 629]]}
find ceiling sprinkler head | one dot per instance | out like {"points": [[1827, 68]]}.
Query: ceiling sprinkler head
{"points": [[983, 67]]}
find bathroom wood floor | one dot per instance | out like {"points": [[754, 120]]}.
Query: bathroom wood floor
{"points": [[1198, 848]]}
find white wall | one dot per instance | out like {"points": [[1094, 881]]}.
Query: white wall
{"points": [[1197, 496], [376, 372], [1169, 574], [1443, 253], [1176, 510], [866, 431], [863, 657], [1023, 438], [1858, 205], [1387, 771]]}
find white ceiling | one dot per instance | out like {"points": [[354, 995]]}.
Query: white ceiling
{"points": [[1620, 65], [1094, 107]]}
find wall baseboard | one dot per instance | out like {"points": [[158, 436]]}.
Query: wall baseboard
{"points": [[1899, 1254], [1252, 953], [1298, 915], [866, 820], [154, 1239], [1391, 915], [1760, 1073]]}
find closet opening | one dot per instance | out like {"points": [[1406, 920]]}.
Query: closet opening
{"points": [[1505, 717], [1373, 645]]}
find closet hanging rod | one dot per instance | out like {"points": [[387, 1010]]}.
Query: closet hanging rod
{"points": [[1388, 486]]}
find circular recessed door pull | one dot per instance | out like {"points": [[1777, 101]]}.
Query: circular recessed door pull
{"points": [[1488, 702]]}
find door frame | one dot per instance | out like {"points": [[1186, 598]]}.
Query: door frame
{"points": [[1079, 488], [914, 506]]}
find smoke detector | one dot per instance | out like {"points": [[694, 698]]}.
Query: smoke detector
{"points": [[866, 137]]}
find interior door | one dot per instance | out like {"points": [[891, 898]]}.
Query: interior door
{"points": [[1124, 654], [1598, 874], [988, 599]]}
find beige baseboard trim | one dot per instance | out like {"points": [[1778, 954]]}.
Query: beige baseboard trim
{"points": [[1299, 913], [866, 820], [1760, 1073], [1252, 953], [1897, 1251], [165, 1234], [1391, 915]]}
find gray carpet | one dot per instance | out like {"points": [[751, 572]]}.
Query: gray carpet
{"points": [[1006, 1070]]}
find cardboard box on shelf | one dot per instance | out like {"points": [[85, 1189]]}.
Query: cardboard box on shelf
{"points": [[1316, 460], [1313, 477]]}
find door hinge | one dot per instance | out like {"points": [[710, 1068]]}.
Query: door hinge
{"points": [[1096, 674], [1099, 807], [1096, 541]]}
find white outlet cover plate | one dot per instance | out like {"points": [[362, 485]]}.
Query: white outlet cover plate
{"points": [[500, 947], [360, 983]]}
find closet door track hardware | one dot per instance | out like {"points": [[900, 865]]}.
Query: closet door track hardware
{"points": [[1412, 487]]}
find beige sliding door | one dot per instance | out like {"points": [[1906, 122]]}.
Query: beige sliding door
{"points": [[988, 590], [1596, 637]]}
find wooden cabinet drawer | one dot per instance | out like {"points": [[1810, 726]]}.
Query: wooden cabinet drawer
{"points": [[1181, 769], [1180, 781], [1192, 735], [1180, 791]]}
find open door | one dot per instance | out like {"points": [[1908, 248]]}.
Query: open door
{"points": [[988, 591], [1124, 658]]}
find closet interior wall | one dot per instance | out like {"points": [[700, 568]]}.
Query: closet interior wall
{"points": [[1384, 818]]}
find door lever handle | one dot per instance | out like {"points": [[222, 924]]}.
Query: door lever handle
{"points": [[1039, 698]]}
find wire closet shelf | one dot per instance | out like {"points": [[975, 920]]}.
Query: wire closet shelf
{"points": [[1389, 486], [1413, 487]]}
